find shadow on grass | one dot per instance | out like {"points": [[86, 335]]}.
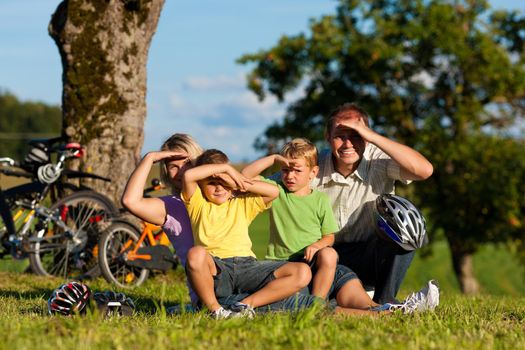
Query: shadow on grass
{"points": [[149, 305], [37, 293]]}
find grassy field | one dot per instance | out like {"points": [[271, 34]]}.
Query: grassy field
{"points": [[484, 322], [495, 319]]}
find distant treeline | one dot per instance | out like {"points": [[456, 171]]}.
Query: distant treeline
{"points": [[21, 121]]}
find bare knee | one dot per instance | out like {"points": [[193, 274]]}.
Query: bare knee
{"points": [[298, 274], [327, 257], [304, 275], [196, 258]]}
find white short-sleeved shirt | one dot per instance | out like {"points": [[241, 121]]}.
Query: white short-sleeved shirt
{"points": [[352, 198]]}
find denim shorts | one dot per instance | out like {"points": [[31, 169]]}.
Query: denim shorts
{"points": [[343, 274], [303, 299], [243, 275]]}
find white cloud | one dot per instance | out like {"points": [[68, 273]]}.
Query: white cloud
{"points": [[227, 119], [221, 131]]}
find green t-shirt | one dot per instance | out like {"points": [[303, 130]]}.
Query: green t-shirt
{"points": [[298, 221]]}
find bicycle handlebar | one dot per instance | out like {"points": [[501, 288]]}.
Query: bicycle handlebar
{"points": [[7, 161], [17, 173], [49, 172], [10, 172]]}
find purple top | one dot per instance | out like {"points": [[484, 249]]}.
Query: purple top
{"points": [[178, 229]]}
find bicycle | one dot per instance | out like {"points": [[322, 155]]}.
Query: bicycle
{"points": [[61, 239], [127, 255], [38, 166]]}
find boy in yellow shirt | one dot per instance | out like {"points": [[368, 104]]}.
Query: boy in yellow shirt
{"points": [[222, 262]]}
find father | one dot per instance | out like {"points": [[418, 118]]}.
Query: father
{"points": [[361, 165]]}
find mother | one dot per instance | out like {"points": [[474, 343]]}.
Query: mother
{"points": [[177, 154]]}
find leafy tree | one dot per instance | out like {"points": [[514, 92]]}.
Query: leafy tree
{"points": [[21, 121], [104, 48], [442, 76]]}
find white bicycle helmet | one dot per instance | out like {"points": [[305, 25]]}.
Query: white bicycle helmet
{"points": [[69, 298], [399, 221]]}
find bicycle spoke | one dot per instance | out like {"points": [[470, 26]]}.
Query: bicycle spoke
{"points": [[117, 243], [72, 254], [84, 218]]}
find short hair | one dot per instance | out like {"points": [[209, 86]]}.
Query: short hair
{"points": [[300, 148], [179, 143], [212, 156], [346, 110]]}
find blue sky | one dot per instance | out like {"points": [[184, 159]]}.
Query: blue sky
{"points": [[194, 84]]}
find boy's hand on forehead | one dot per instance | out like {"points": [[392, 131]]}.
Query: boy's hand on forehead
{"points": [[224, 179], [282, 161], [233, 182], [292, 164]]}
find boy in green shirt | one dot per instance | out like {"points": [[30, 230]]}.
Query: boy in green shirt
{"points": [[302, 224]]}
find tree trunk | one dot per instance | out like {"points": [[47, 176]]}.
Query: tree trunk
{"points": [[104, 47], [463, 267]]}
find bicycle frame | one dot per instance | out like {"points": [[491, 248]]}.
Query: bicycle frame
{"points": [[47, 215], [147, 233]]}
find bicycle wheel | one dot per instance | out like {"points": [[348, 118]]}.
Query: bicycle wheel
{"points": [[65, 242], [115, 243]]}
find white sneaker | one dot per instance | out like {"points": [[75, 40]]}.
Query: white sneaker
{"points": [[221, 314], [425, 299], [241, 310]]}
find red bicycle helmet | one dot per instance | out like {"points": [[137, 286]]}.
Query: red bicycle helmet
{"points": [[69, 298]]}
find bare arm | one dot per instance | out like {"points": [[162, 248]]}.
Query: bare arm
{"points": [[252, 185], [222, 171], [148, 209], [325, 241], [256, 167], [266, 190], [192, 176], [414, 166]]}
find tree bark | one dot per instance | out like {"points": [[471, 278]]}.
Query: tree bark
{"points": [[104, 48], [463, 267]]}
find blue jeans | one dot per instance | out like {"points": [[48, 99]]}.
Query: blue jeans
{"points": [[243, 275], [301, 300], [378, 264]]}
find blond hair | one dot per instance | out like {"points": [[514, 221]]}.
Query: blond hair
{"points": [[179, 143], [301, 148]]}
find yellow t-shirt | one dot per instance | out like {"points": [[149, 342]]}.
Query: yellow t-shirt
{"points": [[223, 229]]}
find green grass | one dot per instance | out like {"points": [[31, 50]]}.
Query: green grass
{"points": [[484, 322], [495, 319]]}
